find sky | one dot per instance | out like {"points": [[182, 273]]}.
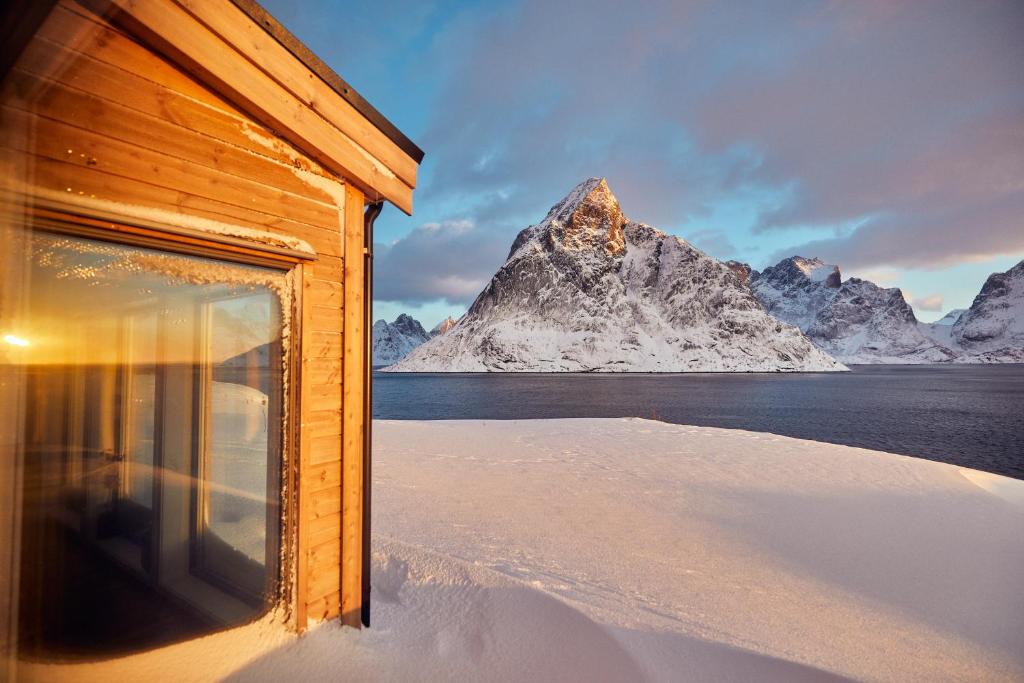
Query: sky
{"points": [[885, 136]]}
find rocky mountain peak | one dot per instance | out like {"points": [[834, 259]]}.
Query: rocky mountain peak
{"points": [[406, 324], [588, 216], [813, 269], [392, 341], [588, 290], [743, 270], [1000, 284], [855, 321], [993, 327], [443, 326]]}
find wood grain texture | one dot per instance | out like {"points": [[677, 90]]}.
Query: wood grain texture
{"points": [[236, 28], [114, 120], [353, 419], [151, 86], [302, 540], [60, 141], [170, 29]]}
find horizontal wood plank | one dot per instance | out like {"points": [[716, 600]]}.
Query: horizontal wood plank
{"points": [[235, 27], [324, 583], [326, 323], [324, 449], [325, 501], [323, 423], [329, 268], [327, 315], [81, 31], [323, 608], [325, 528], [76, 178], [321, 292], [325, 344], [326, 371], [64, 142], [112, 120], [86, 73], [169, 28], [323, 476]]}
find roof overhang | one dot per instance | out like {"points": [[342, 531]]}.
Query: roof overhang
{"points": [[237, 49]]}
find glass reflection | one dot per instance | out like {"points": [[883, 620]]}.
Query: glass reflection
{"points": [[152, 446]]}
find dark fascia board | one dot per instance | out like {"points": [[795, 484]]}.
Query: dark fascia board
{"points": [[327, 75]]}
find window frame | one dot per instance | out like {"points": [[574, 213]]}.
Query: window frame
{"points": [[83, 222], [199, 534]]}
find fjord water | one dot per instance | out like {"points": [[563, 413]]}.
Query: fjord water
{"points": [[966, 415]]}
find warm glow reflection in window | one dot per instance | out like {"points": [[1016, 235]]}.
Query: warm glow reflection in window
{"points": [[153, 445]]}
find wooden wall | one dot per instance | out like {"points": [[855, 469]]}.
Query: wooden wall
{"points": [[97, 114]]}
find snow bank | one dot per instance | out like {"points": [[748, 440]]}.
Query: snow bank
{"points": [[711, 554], [627, 549]]}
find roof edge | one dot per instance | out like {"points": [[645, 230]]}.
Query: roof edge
{"points": [[296, 47]]}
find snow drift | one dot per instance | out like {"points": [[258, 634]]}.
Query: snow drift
{"points": [[630, 550]]}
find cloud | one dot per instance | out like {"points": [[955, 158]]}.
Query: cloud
{"points": [[877, 134], [450, 260], [892, 129], [713, 242], [932, 302]]}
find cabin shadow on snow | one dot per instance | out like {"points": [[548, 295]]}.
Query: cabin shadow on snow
{"points": [[434, 627], [964, 549]]}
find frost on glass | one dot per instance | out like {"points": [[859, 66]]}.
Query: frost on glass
{"points": [[153, 447]]}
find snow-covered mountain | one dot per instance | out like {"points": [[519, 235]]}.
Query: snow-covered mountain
{"points": [[443, 326], [950, 318], [855, 320], [992, 329], [393, 341], [796, 289], [587, 289]]}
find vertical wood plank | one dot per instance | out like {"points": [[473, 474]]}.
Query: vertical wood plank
{"points": [[353, 420], [305, 387]]}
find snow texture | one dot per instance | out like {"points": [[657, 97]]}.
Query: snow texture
{"points": [[631, 550], [393, 341], [856, 321], [992, 329], [951, 317], [589, 290]]}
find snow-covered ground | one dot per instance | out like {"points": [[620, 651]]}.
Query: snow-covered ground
{"points": [[627, 549]]}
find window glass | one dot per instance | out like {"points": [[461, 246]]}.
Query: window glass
{"points": [[152, 446]]}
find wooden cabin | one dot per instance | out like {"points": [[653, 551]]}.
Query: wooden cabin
{"points": [[187, 205]]}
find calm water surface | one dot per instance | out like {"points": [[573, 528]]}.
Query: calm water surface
{"points": [[965, 415]]}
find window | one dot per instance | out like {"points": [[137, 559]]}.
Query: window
{"points": [[153, 450]]}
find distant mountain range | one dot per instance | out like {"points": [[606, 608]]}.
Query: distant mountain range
{"points": [[586, 289], [393, 341], [992, 329], [856, 321]]}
